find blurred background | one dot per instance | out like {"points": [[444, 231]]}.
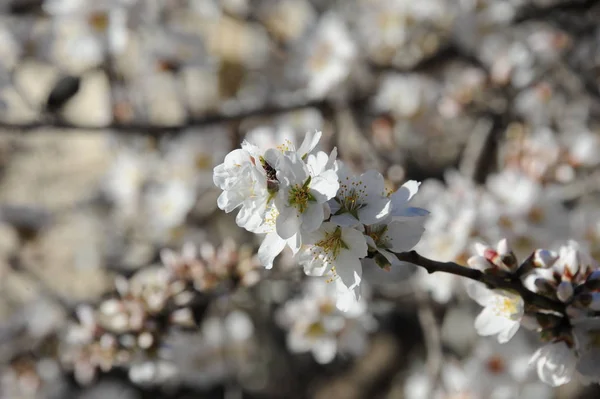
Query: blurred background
{"points": [[120, 278]]}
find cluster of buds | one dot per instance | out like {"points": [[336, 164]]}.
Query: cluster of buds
{"points": [[569, 282], [144, 309]]}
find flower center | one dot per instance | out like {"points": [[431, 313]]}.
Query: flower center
{"points": [[286, 146], [351, 197], [506, 307], [315, 330], [377, 233], [300, 196], [332, 243]]}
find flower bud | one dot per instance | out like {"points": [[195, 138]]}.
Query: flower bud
{"points": [[544, 258], [479, 263], [564, 292], [595, 275]]}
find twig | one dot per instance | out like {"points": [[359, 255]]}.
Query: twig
{"points": [[493, 281]]}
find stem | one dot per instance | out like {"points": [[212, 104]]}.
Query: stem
{"points": [[493, 281]]}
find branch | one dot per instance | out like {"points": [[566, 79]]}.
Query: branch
{"points": [[156, 130], [506, 283]]}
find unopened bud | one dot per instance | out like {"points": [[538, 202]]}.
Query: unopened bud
{"points": [[595, 275], [479, 263], [503, 248], [544, 258], [564, 292]]}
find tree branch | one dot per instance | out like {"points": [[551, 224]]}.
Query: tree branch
{"points": [[157, 130], [494, 281]]}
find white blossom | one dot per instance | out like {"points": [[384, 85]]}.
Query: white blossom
{"points": [[501, 314], [360, 199], [244, 186], [301, 196], [555, 363], [335, 251]]}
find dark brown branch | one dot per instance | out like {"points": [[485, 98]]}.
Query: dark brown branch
{"points": [[493, 281]]}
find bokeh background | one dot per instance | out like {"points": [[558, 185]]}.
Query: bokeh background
{"points": [[113, 114]]}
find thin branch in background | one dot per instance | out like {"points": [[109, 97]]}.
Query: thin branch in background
{"points": [[156, 130]]}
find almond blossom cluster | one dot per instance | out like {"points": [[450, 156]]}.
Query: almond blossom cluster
{"points": [[564, 313], [312, 203], [147, 325]]}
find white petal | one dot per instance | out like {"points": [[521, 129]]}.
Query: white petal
{"points": [[480, 293], [375, 211], [229, 200], [355, 241], [373, 180], [344, 219], [325, 186], [309, 143], [349, 269], [403, 236], [488, 323], [324, 350], [298, 343], [271, 246], [404, 194], [312, 218], [288, 223], [505, 335]]}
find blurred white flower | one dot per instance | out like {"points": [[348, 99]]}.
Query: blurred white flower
{"points": [[124, 180], [221, 349], [402, 95], [315, 325], [90, 30], [584, 149], [192, 155], [331, 53], [167, 205]]}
